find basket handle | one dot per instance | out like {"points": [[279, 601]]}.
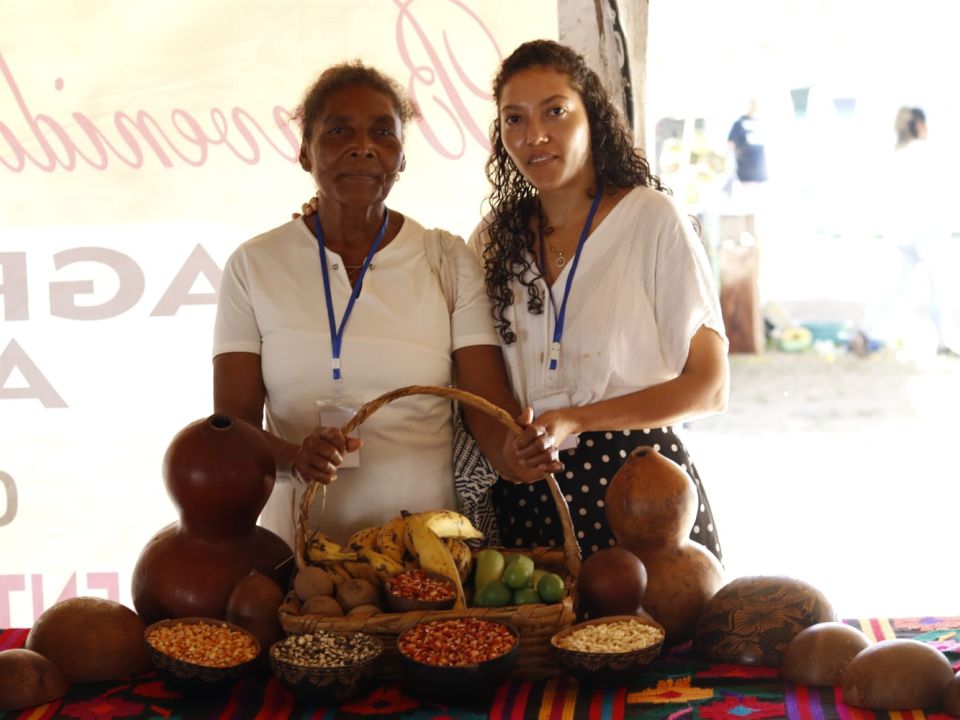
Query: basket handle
{"points": [[571, 549]]}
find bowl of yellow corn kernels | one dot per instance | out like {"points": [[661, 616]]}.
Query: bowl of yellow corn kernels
{"points": [[196, 653]]}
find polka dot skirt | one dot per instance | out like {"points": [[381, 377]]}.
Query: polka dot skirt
{"points": [[528, 518]]}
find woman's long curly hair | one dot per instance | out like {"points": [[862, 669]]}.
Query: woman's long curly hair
{"points": [[513, 200]]}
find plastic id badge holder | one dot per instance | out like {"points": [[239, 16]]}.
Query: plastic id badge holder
{"points": [[553, 399], [336, 412]]}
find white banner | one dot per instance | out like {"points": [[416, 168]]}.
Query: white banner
{"points": [[140, 143]]}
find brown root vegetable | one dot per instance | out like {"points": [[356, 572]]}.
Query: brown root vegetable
{"points": [[612, 581], [364, 611], [819, 655], [254, 605], [90, 639], [897, 675], [28, 679], [291, 605], [355, 592], [651, 505], [751, 620], [322, 605], [310, 581]]}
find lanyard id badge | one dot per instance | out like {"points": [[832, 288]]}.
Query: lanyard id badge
{"points": [[336, 411], [336, 333], [553, 399], [560, 317]]}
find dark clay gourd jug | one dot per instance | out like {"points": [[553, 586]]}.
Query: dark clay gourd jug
{"points": [[219, 472], [651, 505]]}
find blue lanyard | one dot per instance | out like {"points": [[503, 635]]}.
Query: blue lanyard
{"points": [[559, 319], [336, 333]]}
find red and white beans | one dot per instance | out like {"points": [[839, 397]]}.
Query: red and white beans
{"points": [[465, 641], [418, 585]]}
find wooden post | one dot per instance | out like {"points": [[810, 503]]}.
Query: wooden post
{"points": [[612, 36]]}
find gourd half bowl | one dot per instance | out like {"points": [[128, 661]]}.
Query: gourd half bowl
{"points": [[608, 667], [334, 682], [445, 683], [195, 677], [400, 603]]}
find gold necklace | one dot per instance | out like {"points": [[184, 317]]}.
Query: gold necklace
{"points": [[560, 258]]}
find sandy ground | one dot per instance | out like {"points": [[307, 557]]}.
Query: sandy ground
{"points": [[841, 471]]}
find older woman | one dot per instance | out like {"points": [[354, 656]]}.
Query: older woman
{"points": [[345, 304]]}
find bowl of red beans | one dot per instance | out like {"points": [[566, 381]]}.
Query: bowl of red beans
{"points": [[409, 590], [458, 658]]}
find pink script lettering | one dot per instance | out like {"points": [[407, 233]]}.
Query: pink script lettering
{"points": [[442, 85], [136, 136], [425, 77]]}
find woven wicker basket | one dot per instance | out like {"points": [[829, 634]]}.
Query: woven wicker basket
{"points": [[536, 622]]}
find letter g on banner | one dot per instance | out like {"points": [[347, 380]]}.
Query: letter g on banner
{"points": [[10, 501]]}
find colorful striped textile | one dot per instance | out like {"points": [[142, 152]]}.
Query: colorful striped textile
{"points": [[676, 686]]}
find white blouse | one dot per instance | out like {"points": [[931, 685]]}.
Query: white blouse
{"points": [[271, 302], [642, 289]]}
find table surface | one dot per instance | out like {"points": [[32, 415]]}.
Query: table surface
{"points": [[675, 686]]}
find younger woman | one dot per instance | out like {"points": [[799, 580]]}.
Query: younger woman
{"points": [[603, 296]]}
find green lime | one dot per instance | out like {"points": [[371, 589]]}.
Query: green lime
{"points": [[517, 574], [490, 566], [551, 588], [524, 560], [509, 557], [535, 578], [493, 594], [525, 596]]}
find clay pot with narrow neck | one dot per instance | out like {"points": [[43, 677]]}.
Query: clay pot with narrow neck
{"points": [[651, 505], [219, 472]]}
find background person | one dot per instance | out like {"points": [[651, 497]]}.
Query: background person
{"points": [[917, 226], [748, 146]]}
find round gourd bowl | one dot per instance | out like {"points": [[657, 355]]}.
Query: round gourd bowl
{"points": [[410, 590], [199, 654], [610, 649], [444, 660], [326, 666], [752, 619]]}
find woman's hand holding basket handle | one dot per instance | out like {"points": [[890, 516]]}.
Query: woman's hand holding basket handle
{"points": [[321, 453], [532, 452]]}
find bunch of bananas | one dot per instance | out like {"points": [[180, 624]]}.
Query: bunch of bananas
{"points": [[433, 540]]}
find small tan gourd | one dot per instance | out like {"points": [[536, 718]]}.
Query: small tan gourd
{"points": [[651, 505]]}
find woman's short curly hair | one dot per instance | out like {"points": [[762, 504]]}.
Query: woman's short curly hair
{"points": [[349, 74], [513, 200]]}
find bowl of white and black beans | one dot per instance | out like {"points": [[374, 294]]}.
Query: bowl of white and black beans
{"points": [[326, 665]]}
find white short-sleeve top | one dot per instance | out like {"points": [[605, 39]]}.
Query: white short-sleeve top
{"points": [[642, 288], [271, 302]]}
